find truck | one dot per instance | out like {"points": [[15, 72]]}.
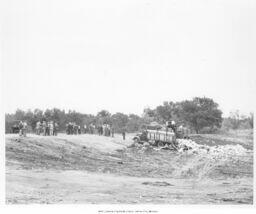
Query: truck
{"points": [[157, 135]]}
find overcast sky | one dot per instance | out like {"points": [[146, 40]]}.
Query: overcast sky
{"points": [[125, 55]]}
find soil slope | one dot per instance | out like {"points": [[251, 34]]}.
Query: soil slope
{"points": [[96, 169]]}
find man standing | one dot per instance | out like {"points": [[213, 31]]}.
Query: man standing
{"points": [[38, 124], [20, 128], [75, 128], [171, 125], [44, 128], [85, 128], [55, 128], [104, 129], [112, 131], [108, 130], [51, 128], [47, 128], [123, 134], [24, 129]]}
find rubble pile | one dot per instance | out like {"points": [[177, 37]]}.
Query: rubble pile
{"points": [[210, 161], [225, 150]]}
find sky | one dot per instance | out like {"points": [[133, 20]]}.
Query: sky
{"points": [[124, 56]]}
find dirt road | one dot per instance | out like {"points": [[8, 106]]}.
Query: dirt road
{"points": [[51, 186], [96, 169]]}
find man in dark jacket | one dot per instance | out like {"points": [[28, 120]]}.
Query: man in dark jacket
{"points": [[123, 134]]}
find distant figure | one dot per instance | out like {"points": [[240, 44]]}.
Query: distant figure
{"points": [[104, 129], [173, 126], [85, 128], [20, 128], [67, 129], [123, 134], [75, 129], [38, 128], [99, 129], [44, 128], [180, 132], [70, 128], [51, 128], [55, 128], [108, 130], [47, 129], [112, 131], [24, 129], [91, 127]]}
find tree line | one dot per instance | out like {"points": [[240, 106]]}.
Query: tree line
{"points": [[201, 114], [236, 120]]}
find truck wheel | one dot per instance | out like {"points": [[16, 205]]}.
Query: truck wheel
{"points": [[160, 144], [136, 140]]}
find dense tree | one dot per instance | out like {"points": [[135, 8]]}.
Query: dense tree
{"points": [[168, 112], [236, 120], [134, 123], [103, 117], [103, 113], [201, 113], [119, 121], [19, 114]]}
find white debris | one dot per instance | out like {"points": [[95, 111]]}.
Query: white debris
{"points": [[205, 158], [189, 145]]}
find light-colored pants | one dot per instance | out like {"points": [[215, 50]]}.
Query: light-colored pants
{"points": [[23, 132], [38, 131]]}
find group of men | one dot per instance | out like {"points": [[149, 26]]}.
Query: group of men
{"points": [[104, 130], [73, 128], [51, 129], [47, 128], [21, 127]]}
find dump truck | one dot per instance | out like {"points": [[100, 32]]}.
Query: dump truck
{"points": [[157, 135]]}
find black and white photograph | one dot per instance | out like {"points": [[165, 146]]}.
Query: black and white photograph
{"points": [[135, 102]]}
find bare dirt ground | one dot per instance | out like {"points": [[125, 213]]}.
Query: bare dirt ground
{"points": [[96, 169]]}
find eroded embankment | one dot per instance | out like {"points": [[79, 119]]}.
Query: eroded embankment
{"points": [[105, 155]]}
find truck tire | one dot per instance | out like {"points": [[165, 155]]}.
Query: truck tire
{"points": [[161, 144], [136, 140]]}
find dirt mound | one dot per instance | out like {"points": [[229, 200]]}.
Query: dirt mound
{"points": [[102, 154], [62, 152], [194, 160], [94, 169], [215, 161]]}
